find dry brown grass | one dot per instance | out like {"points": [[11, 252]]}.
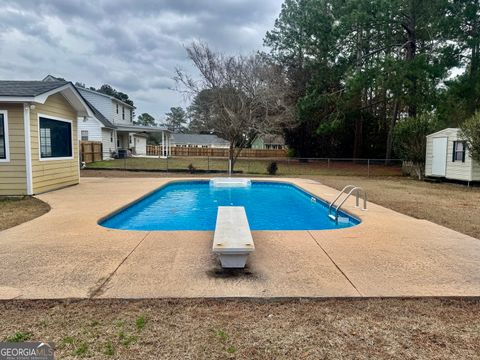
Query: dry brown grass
{"points": [[14, 211], [243, 329], [455, 206]]}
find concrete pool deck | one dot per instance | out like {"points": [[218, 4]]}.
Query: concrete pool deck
{"points": [[65, 254]]}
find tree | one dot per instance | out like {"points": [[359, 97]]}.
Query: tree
{"points": [[470, 131], [176, 119], [200, 114], [108, 90], [146, 119], [247, 95], [410, 139], [358, 66]]}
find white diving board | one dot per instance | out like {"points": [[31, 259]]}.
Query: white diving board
{"points": [[233, 240], [230, 182]]}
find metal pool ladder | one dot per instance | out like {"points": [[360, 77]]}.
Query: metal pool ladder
{"points": [[351, 189]]}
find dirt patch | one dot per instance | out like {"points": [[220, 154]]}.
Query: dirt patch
{"points": [[249, 329], [14, 211]]}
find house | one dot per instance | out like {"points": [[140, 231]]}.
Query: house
{"points": [[38, 142], [448, 157], [269, 142], [112, 124], [199, 141]]}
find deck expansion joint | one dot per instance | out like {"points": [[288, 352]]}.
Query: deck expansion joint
{"points": [[334, 263], [99, 289]]}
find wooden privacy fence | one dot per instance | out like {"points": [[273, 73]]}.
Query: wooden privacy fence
{"points": [[91, 151], [216, 152]]}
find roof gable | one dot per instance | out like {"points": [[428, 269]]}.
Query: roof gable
{"points": [[39, 91]]}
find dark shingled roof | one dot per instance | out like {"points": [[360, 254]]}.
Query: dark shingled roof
{"points": [[28, 88]]}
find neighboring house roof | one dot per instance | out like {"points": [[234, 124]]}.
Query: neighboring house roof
{"points": [[39, 91], [198, 139], [99, 116], [108, 96]]}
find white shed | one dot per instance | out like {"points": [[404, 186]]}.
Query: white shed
{"points": [[448, 157]]}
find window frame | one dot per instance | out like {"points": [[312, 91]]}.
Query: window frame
{"points": [[81, 135], [6, 140], [123, 112], [454, 154], [49, 117], [117, 107]]}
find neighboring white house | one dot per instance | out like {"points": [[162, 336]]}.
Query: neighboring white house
{"points": [[199, 141], [112, 124], [448, 157]]}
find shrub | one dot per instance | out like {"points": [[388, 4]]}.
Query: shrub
{"points": [[272, 168], [470, 131], [410, 140]]}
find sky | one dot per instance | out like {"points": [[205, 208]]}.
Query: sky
{"points": [[133, 45]]}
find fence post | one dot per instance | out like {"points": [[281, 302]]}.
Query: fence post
{"points": [[368, 168]]}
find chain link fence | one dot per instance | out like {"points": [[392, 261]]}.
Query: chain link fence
{"points": [[256, 166]]}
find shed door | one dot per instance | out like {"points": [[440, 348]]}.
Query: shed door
{"points": [[439, 161]]}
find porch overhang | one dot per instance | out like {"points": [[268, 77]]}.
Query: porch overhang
{"points": [[141, 129]]}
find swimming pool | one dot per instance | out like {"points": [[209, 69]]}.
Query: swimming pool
{"points": [[192, 205]]}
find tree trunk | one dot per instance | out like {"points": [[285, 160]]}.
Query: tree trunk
{"points": [[231, 156], [391, 128], [358, 126], [411, 49]]}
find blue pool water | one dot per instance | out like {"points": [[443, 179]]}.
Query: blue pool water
{"points": [[193, 205]]}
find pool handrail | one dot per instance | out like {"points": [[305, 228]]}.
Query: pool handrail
{"points": [[352, 189]]}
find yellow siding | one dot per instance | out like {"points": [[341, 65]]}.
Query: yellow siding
{"points": [[53, 174], [13, 179]]}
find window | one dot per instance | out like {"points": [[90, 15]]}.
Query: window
{"points": [[459, 151], [111, 136], [84, 135], [117, 108], [130, 139], [123, 113], [131, 116], [55, 138], [4, 150]]}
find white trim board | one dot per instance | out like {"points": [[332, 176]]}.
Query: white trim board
{"points": [[28, 148]]}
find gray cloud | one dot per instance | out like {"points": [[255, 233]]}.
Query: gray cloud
{"points": [[132, 45]]}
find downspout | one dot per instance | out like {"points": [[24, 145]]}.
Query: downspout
{"points": [[28, 148]]}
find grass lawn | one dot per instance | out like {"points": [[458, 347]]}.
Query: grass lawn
{"points": [[251, 166], [14, 211], [244, 329]]}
